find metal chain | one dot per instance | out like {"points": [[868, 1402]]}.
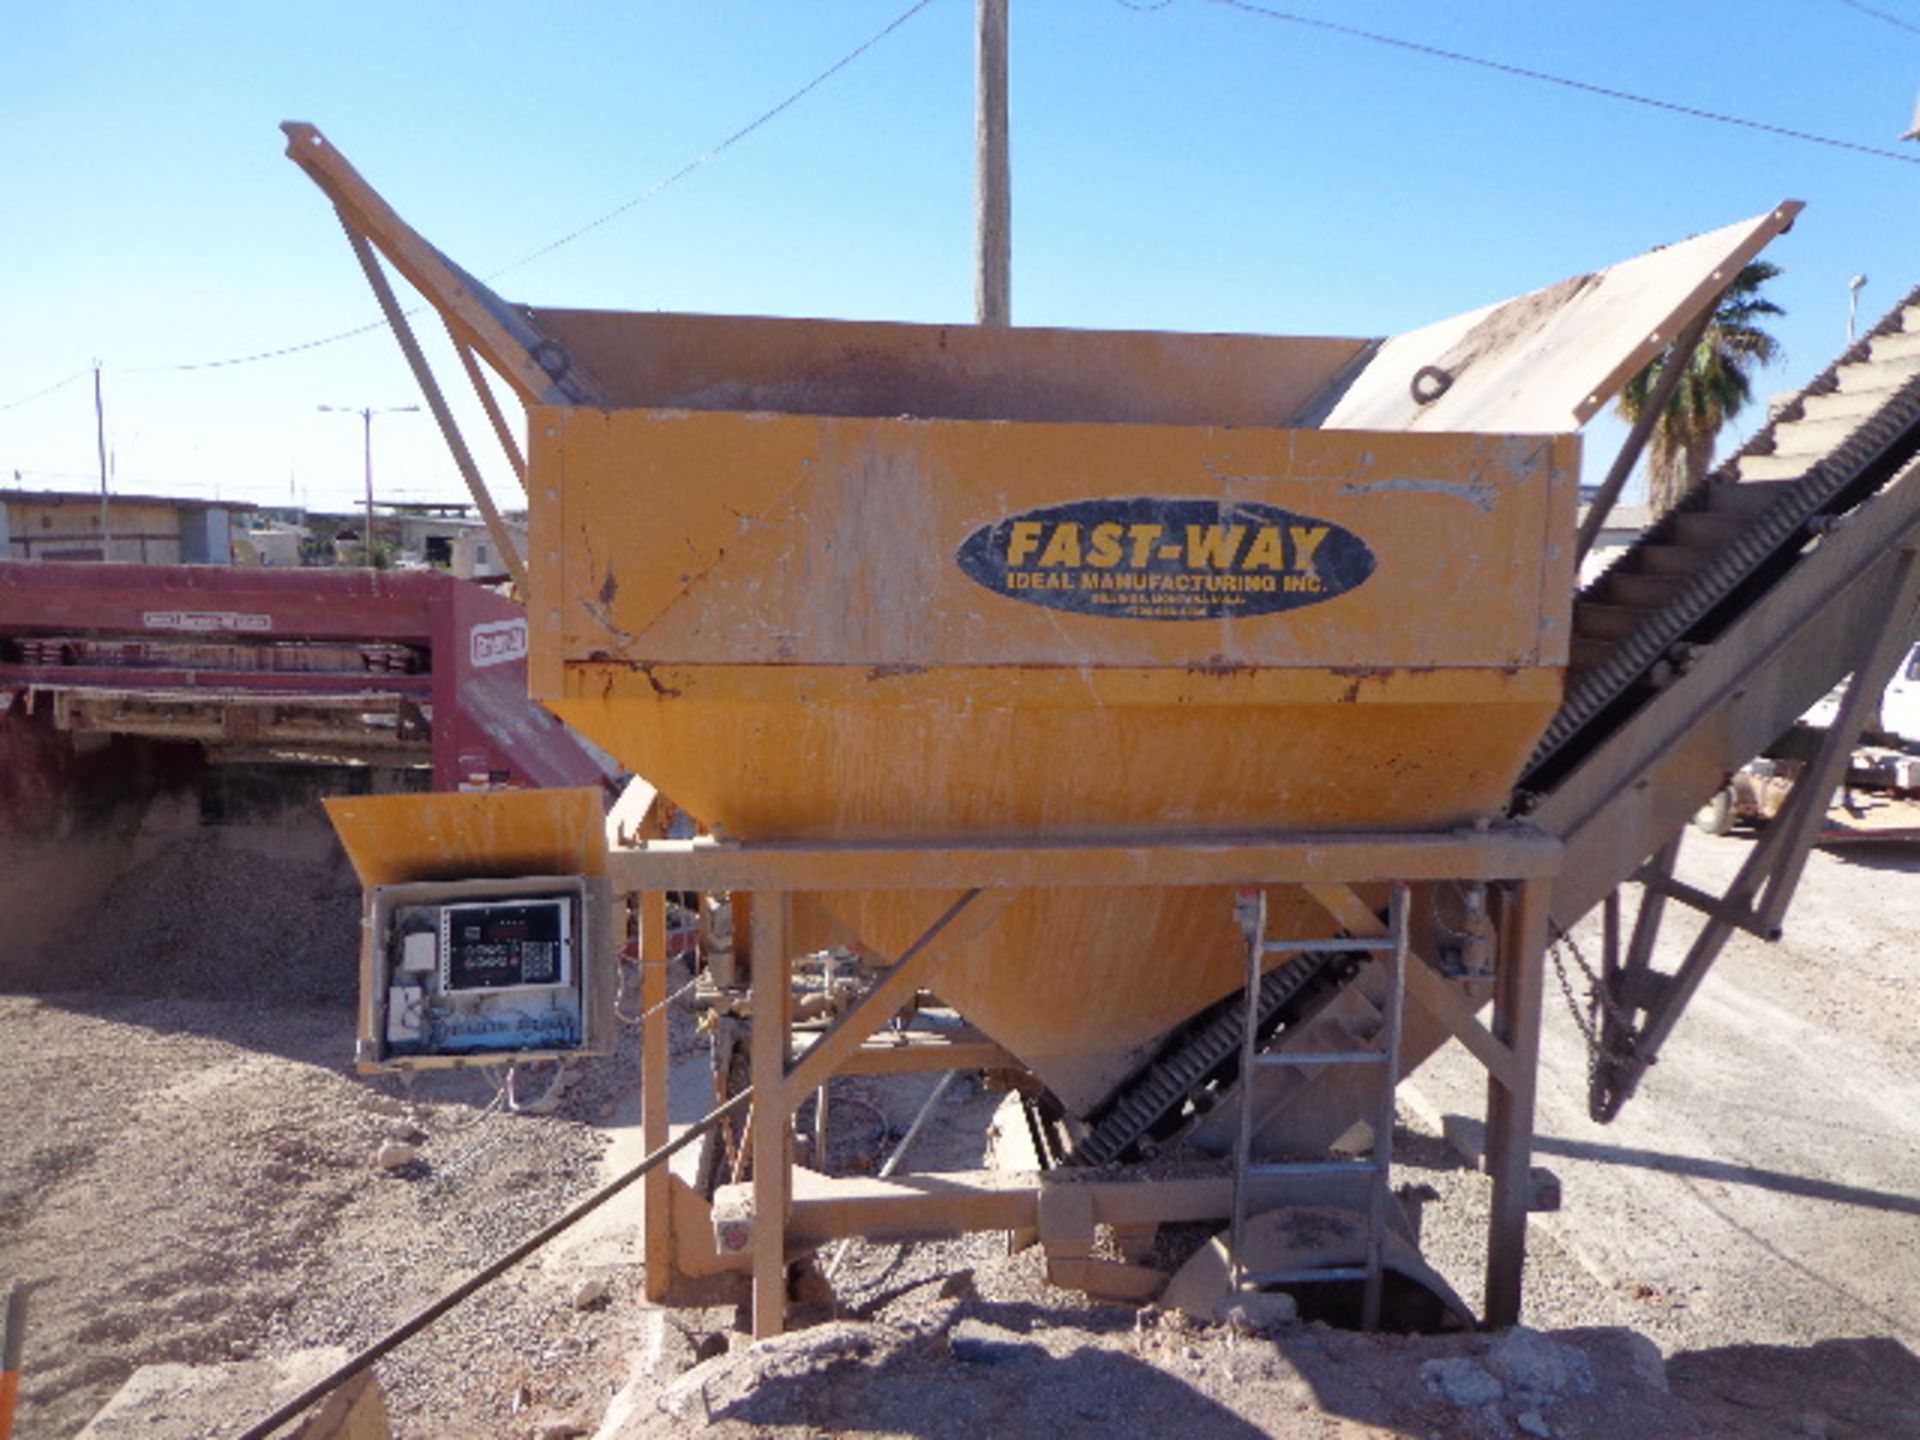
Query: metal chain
{"points": [[1598, 999]]}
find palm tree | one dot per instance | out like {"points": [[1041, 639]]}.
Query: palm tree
{"points": [[1716, 386]]}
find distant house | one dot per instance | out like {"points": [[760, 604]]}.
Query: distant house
{"points": [[449, 536], [477, 557], [275, 545], [143, 529]]}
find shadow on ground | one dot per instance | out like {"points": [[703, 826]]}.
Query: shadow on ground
{"points": [[1472, 1134], [1851, 1389]]}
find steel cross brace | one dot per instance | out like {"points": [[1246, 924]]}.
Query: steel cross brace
{"points": [[767, 874], [1757, 899], [779, 1085]]}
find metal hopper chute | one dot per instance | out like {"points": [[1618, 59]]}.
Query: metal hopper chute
{"points": [[1018, 660]]}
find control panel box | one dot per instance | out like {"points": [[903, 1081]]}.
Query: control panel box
{"points": [[483, 972]]}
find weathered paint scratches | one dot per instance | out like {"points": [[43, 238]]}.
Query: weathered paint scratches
{"points": [[1483, 497]]}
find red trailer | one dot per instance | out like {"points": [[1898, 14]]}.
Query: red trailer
{"points": [[397, 668]]}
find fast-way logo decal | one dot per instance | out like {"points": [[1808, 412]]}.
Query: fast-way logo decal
{"points": [[1156, 559]]}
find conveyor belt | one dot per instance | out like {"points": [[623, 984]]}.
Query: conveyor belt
{"points": [[1604, 697], [1198, 1058], [1688, 580]]}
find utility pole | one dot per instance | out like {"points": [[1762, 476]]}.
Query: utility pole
{"points": [[366, 414], [366, 421], [993, 205], [100, 440]]}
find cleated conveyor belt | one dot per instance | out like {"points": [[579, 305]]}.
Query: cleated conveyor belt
{"points": [[1178, 1074], [1601, 699], [1768, 523]]}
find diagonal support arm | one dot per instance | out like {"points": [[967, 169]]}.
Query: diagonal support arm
{"points": [[1780, 857], [532, 362], [1429, 990], [437, 402], [962, 921]]}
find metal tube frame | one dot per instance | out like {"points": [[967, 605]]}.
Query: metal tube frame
{"points": [[1758, 898], [769, 874], [1642, 431], [436, 401]]}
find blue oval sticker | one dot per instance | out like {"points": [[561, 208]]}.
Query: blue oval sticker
{"points": [[1146, 558]]}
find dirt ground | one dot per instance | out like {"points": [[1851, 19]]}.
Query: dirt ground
{"points": [[190, 1177]]}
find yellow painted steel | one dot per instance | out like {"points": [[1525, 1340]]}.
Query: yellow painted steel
{"points": [[767, 614], [400, 839]]}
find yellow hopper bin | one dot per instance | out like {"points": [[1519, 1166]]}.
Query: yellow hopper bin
{"points": [[839, 625], [829, 580]]}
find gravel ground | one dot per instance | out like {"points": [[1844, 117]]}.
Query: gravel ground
{"points": [[1763, 1186], [194, 1181], [197, 1181]]}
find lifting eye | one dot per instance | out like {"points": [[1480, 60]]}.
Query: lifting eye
{"points": [[1429, 383]]}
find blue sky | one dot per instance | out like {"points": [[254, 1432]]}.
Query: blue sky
{"points": [[1187, 166]]}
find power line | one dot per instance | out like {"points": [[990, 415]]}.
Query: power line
{"points": [[692, 165], [1882, 15], [57, 385], [1604, 91], [742, 133], [366, 329]]}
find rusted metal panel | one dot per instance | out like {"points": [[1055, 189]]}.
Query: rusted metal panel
{"points": [[210, 602], [355, 724], [832, 626], [805, 607], [835, 542]]}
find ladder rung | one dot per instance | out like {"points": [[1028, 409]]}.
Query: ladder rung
{"points": [[1322, 1057], [1311, 1168], [1328, 947], [1303, 1277]]}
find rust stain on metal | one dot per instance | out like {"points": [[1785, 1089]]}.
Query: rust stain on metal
{"points": [[1358, 676], [834, 672], [1480, 495], [1220, 666], [660, 688]]}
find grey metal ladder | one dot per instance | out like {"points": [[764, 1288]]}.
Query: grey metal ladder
{"points": [[1251, 907]]}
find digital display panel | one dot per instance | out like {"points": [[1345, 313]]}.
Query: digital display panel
{"points": [[513, 945]]}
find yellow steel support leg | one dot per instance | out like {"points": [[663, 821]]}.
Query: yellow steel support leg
{"points": [[1510, 1098], [655, 1117], [772, 1112]]}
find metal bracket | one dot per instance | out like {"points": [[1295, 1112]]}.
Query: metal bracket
{"points": [[499, 330]]}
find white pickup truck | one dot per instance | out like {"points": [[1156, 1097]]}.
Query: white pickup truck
{"points": [[1900, 706], [1899, 703], [1881, 797]]}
